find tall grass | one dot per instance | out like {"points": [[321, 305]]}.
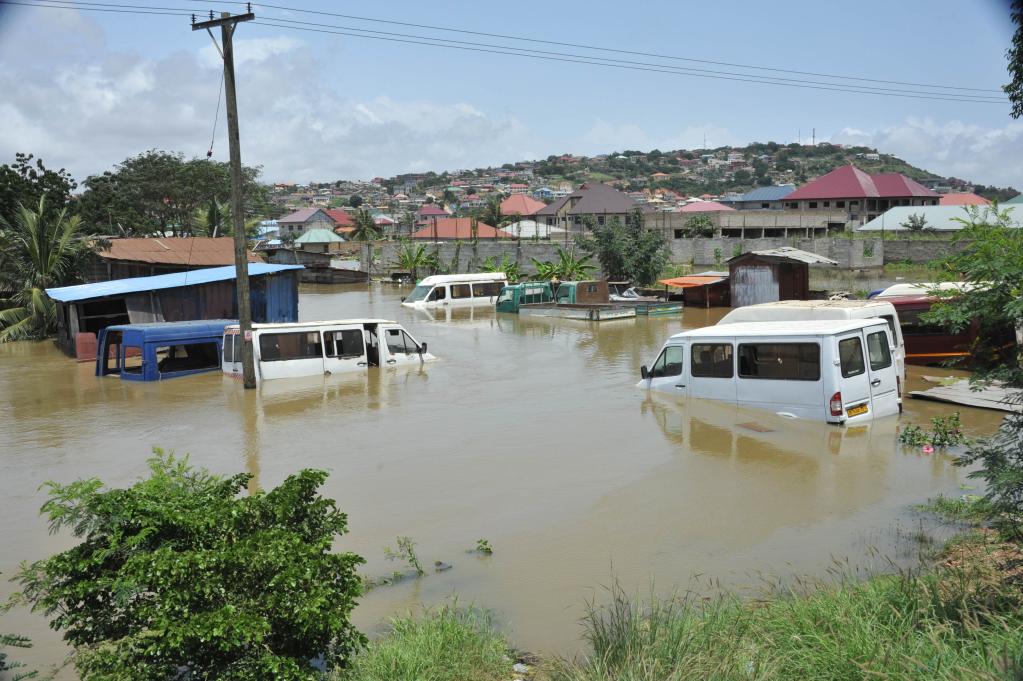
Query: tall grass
{"points": [[950, 624], [447, 644]]}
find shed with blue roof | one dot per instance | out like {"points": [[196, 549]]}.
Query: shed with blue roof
{"points": [[86, 309], [771, 198]]}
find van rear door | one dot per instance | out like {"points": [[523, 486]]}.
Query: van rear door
{"points": [[854, 381], [881, 367]]}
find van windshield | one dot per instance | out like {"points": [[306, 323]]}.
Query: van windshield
{"points": [[506, 295], [419, 293]]}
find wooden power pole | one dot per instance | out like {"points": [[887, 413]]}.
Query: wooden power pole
{"points": [[227, 25]]}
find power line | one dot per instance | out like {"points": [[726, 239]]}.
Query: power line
{"points": [[511, 51], [615, 50], [180, 12], [683, 70], [540, 54]]}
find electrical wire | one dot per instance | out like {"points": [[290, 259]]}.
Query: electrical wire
{"points": [[548, 55], [216, 116], [653, 69], [608, 49], [683, 70]]}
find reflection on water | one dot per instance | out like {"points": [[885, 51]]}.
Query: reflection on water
{"points": [[527, 432]]}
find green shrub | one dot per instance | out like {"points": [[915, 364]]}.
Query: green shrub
{"points": [[448, 644], [178, 576]]}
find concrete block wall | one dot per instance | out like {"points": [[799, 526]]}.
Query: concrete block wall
{"points": [[850, 253]]}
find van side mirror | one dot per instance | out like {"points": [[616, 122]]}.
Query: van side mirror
{"points": [[422, 347], [403, 299], [644, 373]]}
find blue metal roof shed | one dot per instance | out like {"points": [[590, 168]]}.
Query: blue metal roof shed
{"points": [[83, 310]]}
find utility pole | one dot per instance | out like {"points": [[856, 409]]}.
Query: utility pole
{"points": [[227, 25]]}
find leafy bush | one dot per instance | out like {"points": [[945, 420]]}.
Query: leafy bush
{"points": [[1001, 467], [628, 252], [178, 576], [946, 432]]}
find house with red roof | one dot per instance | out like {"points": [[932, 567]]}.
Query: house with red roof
{"points": [[521, 204], [861, 195], [449, 229], [341, 217], [964, 199]]}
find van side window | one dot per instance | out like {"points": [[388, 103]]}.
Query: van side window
{"points": [[438, 293], [461, 291], [229, 349], [275, 347], [344, 344], [712, 360], [399, 342], [877, 350], [669, 363], [780, 361], [912, 325], [486, 289], [891, 326], [850, 353]]}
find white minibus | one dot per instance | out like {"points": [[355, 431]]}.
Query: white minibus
{"points": [[457, 290], [838, 371], [799, 310], [328, 347]]}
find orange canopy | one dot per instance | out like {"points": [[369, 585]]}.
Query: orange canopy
{"points": [[692, 280]]}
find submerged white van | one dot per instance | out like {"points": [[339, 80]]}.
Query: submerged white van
{"points": [[800, 310], [838, 371], [328, 347], [457, 290]]}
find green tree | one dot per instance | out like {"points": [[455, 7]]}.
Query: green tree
{"points": [[989, 258], [24, 183], [13, 641], [699, 225], [511, 269], [355, 201], [39, 249], [490, 213], [179, 576], [158, 192], [628, 252], [566, 268], [365, 228], [414, 258], [1015, 55], [915, 222]]}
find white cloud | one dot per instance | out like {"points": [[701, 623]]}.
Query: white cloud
{"points": [[988, 155], [88, 109]]}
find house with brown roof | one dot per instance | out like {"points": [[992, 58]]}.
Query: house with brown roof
{"points": [[450, 229], [305, 219], [592, 200], [860, 195], [124, 258]]}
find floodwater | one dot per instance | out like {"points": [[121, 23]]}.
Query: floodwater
{"points": [[527, 432]]}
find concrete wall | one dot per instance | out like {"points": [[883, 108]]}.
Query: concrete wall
{"points": [[708, 253]]}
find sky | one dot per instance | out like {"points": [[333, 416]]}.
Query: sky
{"points": [[85, 90]]}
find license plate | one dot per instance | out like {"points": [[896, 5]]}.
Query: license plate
{"points": [[857, 410]]}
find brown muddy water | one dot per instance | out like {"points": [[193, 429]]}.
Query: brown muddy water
{"points": [[529, 433]]}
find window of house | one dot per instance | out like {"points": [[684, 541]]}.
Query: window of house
{"points": [[812, 204], [827, 204], [678, 233], [461, 291], [782, 361], [839, 204], [765, 205], [712, 360], [600, 219], [878, 352], [669, 363], [344, 344], [850, 355], [792, 204], [279, 347]]}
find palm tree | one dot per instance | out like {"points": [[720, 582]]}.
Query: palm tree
{"points": [[365, 228], [412, 257], [38, 250], [567, 267], [511, 269], [491, 213]]}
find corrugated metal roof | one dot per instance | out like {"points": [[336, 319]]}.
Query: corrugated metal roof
{"points": [[938, 218], [520, 204], [69, 294], [458, 228], [302, 215], [185, 251], [1016, 199], [693, 280], [318, 236], [789, 253], [849, 182], [704, 207], [963, 199], [593, 198], [775, 193]]}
